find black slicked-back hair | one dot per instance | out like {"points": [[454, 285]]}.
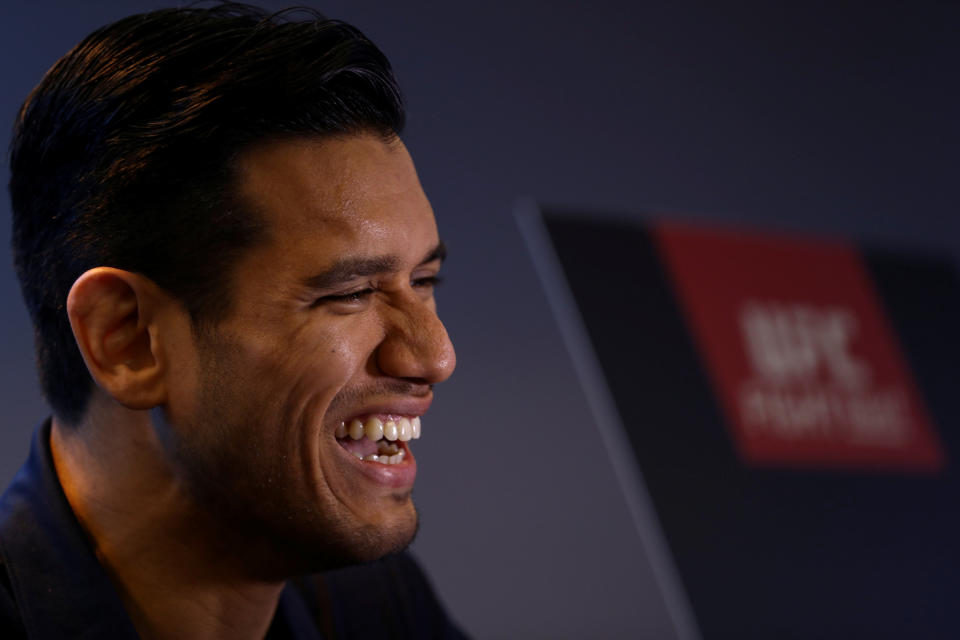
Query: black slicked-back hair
{"points": [[124, 154]]}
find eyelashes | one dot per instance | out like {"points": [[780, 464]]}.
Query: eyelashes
{"points": [[429, 281], [360, 295], [353, 296]]}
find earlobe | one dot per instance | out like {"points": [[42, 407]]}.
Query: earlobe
{"points": [[112, 313]]}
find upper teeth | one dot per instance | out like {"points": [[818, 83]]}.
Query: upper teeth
{"points": [[374, 429]]}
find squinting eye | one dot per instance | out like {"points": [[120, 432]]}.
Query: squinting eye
{"points": [[428, 282], [352, 297]]}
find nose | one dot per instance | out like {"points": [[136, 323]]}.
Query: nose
{"points": [[416, 346]]}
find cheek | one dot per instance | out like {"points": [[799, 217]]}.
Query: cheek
{"points": [[287, 377], [321, 364], [346, 350]]}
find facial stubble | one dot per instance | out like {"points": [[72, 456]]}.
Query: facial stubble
{"points": [[274, 518]]}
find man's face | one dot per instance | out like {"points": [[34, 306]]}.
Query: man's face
{"points": [[333, 319]]}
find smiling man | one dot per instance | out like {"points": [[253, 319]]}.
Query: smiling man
{"points": [[230, 263]]}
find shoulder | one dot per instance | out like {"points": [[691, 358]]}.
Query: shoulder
{"points": [[387, 598]]}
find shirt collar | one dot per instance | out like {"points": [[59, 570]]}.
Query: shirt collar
{"points": [[60, 588]]}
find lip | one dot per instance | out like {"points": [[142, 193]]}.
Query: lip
{"points": [[394, 476]]}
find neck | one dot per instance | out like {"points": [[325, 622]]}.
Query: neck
{"points": [[179, 573]]}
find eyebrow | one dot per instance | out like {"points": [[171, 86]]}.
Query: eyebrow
{"points": [[347, 269]]}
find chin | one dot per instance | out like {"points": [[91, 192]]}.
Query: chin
{"points": [[383, 540], [359, 545]]}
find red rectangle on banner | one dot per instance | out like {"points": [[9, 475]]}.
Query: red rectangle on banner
{"points": [[806, 366]]}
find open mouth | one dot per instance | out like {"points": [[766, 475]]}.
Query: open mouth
{"points": [[378, 438]]}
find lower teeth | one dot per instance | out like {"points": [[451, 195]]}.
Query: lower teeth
{"points": [[383, 458], [387, 453], [387, 448]]}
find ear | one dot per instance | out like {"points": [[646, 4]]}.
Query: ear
{"points": [[113, 314]]}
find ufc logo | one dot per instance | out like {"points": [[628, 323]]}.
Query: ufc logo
{"points": [[793, 343]]}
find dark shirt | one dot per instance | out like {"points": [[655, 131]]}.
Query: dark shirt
{"points": [[52, 586]]}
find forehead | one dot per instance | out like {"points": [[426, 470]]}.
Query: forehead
{"points": [[349, 188]]}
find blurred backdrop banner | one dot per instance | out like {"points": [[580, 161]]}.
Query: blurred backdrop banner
{"points": [[788, 404], [801, 356]]}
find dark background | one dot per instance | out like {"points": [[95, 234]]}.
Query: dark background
{"points": [[786, 551], [833, 118]]}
